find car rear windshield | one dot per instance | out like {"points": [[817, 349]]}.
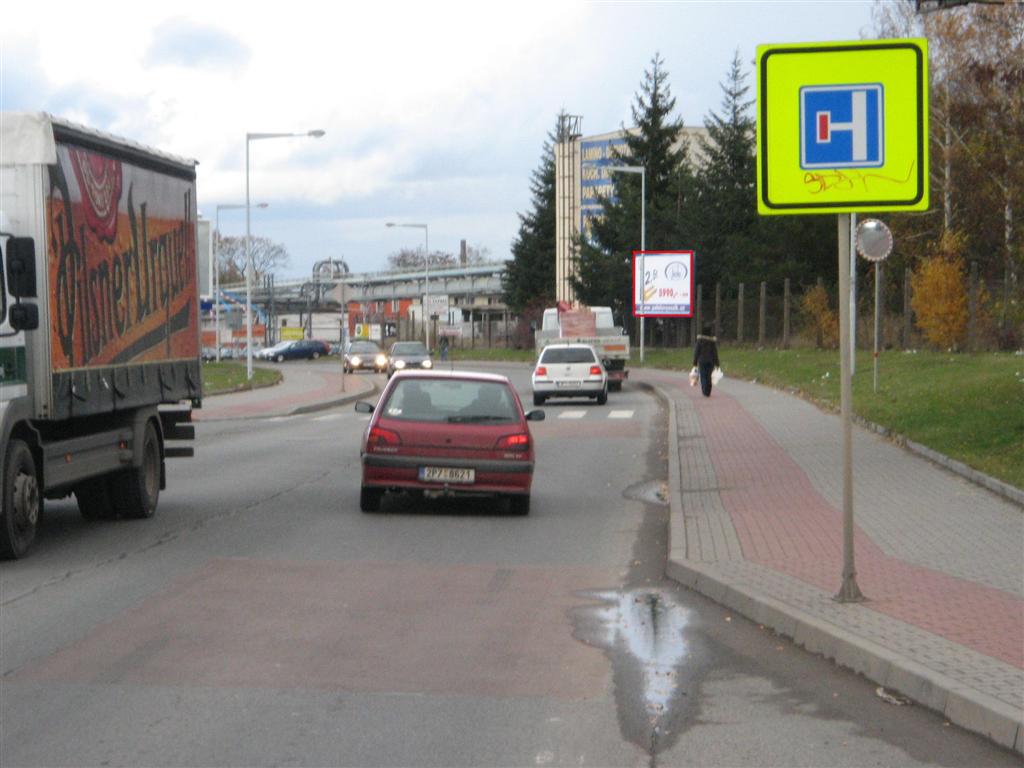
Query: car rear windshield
{"points": [[451, 400], [567, 355]]}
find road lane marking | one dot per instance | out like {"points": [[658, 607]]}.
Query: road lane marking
{"points": [[329, 417], [620, 415], [572, 414]]}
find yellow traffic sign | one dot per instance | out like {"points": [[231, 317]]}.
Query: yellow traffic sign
{"points": [[842, 127]]}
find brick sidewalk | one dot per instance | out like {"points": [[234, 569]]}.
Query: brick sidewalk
{"points": [[756, 492]]}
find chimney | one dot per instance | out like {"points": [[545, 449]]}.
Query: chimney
{"points": [[463, 255]]}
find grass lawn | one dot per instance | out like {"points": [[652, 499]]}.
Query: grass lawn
{"points": [[230, 376], [968, 407]]}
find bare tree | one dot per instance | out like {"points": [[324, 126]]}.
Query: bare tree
{"points": [[267, 256]]}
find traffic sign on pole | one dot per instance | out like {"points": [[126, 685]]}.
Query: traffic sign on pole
{"points": [[842, 127]]}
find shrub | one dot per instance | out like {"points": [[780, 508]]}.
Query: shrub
{"points": [[822, 320], [939, 296]]}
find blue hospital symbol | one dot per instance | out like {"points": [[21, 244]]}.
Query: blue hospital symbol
{"points": [[841, 126]]}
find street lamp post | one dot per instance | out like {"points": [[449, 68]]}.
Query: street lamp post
{"points": [[216, 265], [643, 232], [426, 278], [250, 137]]}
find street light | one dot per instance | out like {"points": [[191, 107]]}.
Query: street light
{"points": [[426, 278], [216, 266], [249, 137], [643, 231]]}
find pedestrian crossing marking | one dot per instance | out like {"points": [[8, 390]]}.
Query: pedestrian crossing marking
{"points": [[572, 414], [280, 418], [620, 415], [329, 417]]}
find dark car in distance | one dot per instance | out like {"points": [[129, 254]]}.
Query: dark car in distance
{"points": [[364, 355], [448, 433], [303, 349], [407, 356]]}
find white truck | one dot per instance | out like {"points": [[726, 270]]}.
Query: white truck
{"points": [[99, 321], [588, 325]]}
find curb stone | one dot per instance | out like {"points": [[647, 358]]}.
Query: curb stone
{"points": [[969, 709]]}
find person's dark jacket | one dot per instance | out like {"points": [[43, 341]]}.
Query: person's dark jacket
{"points": [[706, 351]]}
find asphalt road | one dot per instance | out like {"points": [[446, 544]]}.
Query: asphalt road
{"points": [[261, 619]]}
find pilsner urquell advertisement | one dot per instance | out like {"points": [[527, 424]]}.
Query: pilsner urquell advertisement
{"points": [[122, 262]]}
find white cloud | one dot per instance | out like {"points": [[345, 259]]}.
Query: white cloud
{"points": [[431, 109]]}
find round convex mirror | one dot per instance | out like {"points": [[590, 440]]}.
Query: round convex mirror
{"points": [[874, 240]]}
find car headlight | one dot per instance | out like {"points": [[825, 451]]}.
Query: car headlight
{"points": [[356, 361], [399, 364], [427, 364], [382, 360]]}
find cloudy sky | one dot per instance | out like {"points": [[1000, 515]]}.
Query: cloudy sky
{"points": [[434, 112]]}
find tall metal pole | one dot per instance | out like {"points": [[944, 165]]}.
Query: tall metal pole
{"points": [[878, 317], [849, 592], [426, 285], [248, 271], [853, 293], [643, 247], [216, 283]]}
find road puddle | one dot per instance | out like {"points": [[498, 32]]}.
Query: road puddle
{"points": [[643, 632]]}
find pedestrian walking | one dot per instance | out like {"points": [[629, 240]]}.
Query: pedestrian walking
{"points": [[705, 358]]}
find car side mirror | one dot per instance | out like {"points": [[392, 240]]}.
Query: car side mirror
{"points": [[364, 407], [21, 268], [23, 317], [535, 415]]}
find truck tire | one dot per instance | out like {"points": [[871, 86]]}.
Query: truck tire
{"points": [[538, 399], [369, 499], [93, 497], [614, 386], [22, 501], [135, 492]]}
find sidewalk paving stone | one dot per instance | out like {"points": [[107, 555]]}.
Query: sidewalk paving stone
{"points": [[755, 486]]}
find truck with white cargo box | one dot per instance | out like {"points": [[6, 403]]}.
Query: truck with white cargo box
{"points": [[99, 321], [588, 325]]}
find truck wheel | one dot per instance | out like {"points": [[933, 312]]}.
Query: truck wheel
{"points": [[22, 502], [614, 386], [135, 491], [538, 399], [93, 497], [369, 499], [519, 505]]}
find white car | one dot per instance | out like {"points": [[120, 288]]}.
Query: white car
{"points": [[569, 370]]}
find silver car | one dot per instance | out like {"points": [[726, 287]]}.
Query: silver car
{"points": [[569, 370]]}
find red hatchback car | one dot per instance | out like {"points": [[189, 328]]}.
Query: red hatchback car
{"points": [[448, 433]]}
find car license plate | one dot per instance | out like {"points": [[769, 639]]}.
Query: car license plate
{"points": [[447, 475], [569, 383]]}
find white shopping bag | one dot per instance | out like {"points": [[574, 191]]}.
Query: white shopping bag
{"points": [[716, 376], [693, 376]]}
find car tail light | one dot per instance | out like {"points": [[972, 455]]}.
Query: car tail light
{"points": [[541, 371], [520, 442], [595, 370], [383, 438]]}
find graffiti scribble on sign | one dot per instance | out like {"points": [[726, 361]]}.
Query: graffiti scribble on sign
{"points": [[848, 179]]}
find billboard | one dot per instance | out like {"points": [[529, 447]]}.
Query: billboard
{"points": [[121, 258], [663, 283], [595, 180]]}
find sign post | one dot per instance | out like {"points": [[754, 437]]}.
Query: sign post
{"points": [[842, 128]]}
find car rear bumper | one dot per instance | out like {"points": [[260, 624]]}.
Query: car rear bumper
{"points": [[491, 476], [585, 389]]}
